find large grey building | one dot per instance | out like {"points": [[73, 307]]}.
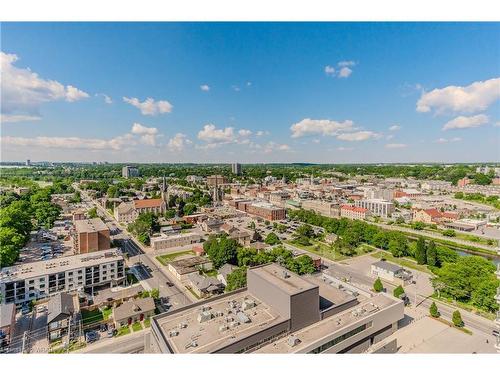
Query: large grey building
{"points": [[128, 171], [278, 312], [236, 168]]}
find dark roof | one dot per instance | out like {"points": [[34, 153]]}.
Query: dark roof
{"points": [[387, 266], [60, 304], [134, 307]]}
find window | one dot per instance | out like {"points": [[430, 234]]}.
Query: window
{"points": [[340, 338]]}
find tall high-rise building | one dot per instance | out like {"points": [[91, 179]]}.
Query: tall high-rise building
{"points": [[128, 171], [236, 168], [28, 162]]}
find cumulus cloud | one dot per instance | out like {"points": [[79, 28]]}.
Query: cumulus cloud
{"points": [[107, 99], [147, 135], [178, 143], [447, 140], [320, 127], [270, 147], [74, 143], [473, 98], [150, 107], [23, 91], [343, 69], [464, 122], [205, 88], [394, 128], [211, 134], [362, 135], [260, 133], [396, 145], [244, 132], [345, 148]]}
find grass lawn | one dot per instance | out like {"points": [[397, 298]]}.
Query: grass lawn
{"points": [[147, 322], [73, 346], [125, 330], [403, 261], [92, 316], [465, 306], [444, 321], [106, 313], [167, 258], [137, 326]]}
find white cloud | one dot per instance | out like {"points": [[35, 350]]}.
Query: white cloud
{"points": [[235, 88], [345, 72], [74, 143], [396, 145], [345, 148], [244, 133], [389, 136], [270, 147], [316, 140], [346, 63], [320, 127], [23, 91], [211, 134], [363, 135], [18, 118], [150, 107], [205, 88], [464, 122], [260, 133], [147, 135], [447, 140], [394, 128], [497, 124], [249, 84], [329, 70], [473, 98], [107, 99], [178, 142]]}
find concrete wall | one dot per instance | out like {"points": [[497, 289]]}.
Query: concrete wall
{"points": [[269, 293], [304, 309]]}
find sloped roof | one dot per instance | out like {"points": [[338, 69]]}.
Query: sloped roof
{"points": [[133, 307], [147, 203], [61, 303]]}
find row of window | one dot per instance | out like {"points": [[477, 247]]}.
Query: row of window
{"points": [[339, 339]]}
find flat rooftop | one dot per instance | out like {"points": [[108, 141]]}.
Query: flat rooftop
{"points": [[36, 269], [90, 225], [224, 327], [327, 326], [287, 281], [331, 296]]}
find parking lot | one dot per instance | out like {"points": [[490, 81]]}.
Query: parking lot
{"points": [[40, 248]]}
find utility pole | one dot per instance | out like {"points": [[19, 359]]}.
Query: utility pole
{"points": [[24, 342], [69, 335]]}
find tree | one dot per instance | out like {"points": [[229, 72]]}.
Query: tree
{"points": [[304, 265], [418, 225], [92, 213], [272, 239], [246, 257], [449, 233], [483, 296], [398, 291], [398, 245], [154, 293], [303, 234], [170, 213], [223, 250], [433, 310], [378, 286], [420, 251], [457, 319], [432, 254], [343, 247], [46, 213], [237, 279], [189, 209]]}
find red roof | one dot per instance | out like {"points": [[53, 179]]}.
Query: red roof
{"points": [[434, 213], [147, 203], [353, 208]]}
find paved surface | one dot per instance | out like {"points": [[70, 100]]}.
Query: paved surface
{"points": [[131, 343]]}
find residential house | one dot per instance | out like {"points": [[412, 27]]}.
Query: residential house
{"points": [[61, 311], [134, 310], [224, 271], [205, 286], [7, 323]]}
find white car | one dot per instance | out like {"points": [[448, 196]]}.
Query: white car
{"points": [[40, 309]]}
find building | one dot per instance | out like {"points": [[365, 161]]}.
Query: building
{"points": [[389, 271], [216, 180], [377, 207], [79, 214], [133, 310], [7, 323], [182, 268], [37, 280], [434, 216], [463, 182], [61, 312], [204, 286], [128, 172], [265, 210], [182, 239], [91, 235], [127, 212], [466, 225], [28, 162], [327, 209], [353, 213], [224, 271], [243, 237], [278, 312], [236, 168]]}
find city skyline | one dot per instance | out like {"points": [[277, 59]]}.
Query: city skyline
{"points": [[275, 93]]}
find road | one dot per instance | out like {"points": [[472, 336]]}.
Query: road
{"points": [[131, 343]]}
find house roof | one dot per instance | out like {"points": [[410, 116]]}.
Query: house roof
{"points": [[205, 283], [226, 269], [353, 208], [133, 307], [6, 312], [147, 203], [61, 303], [125, 207]]}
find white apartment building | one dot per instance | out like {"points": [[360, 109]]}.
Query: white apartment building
{"points": [[182, 239], [38, 280], [324, 208], [377, 207], [379, 193]]}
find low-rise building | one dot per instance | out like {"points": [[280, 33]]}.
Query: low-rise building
{"points": [[353, 212], [224, 271], [205, 286], [163, 241], [7, 323], [61, 312], [266, 211], [134, 310], [37, 280], [324, 208], [389, 271], [377, 207], [182, 268]]}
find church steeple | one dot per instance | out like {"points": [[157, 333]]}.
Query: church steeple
{"points": [[164, 191]]}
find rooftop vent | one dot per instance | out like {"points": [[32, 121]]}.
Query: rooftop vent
{"points": [[173, 333], [293, 341]]}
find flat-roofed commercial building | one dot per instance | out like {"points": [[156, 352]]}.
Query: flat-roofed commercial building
{"points": [[182, 239], [276, 306], [353, 213], [265, 210], [129, 171], [377, 207], [91, 235], [216, 180], [39, 280], [327, 209]]}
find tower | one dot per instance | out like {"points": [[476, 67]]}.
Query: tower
{"points": [[165, 196]]}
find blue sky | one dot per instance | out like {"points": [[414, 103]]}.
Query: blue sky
{"points": [[251, 92]]}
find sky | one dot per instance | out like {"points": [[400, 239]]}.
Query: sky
{"points": [[250, 92]]}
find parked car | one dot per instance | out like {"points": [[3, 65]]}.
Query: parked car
{"points": [[112, 332], [91, 336], [104, 327], [25, 309], [170, 284], [40, 309]]}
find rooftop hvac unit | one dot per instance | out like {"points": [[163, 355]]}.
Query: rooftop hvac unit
{"points": [[285, 274], [173, 333], [234, 324], [229, 319], [247, 304], [182, 325], [223, 328], [293, 341], [219, 313], [204, 316], [205, 308], [243, 318]]}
